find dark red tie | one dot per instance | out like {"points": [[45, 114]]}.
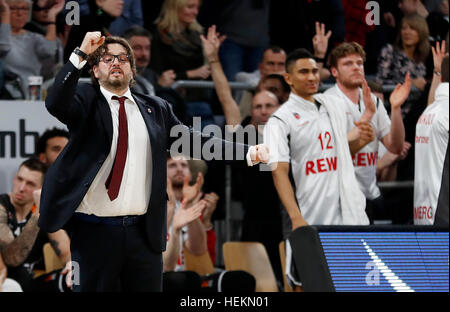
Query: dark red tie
{"points": [[115, 176]]}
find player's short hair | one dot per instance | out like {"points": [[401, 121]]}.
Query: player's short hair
{"points": [[344, 49], [296, 55]]}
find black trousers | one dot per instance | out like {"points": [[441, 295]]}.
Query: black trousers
{"points": [[113, 258]]}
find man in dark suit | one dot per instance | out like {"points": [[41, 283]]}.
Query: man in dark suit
{"points": [[110, 180]]}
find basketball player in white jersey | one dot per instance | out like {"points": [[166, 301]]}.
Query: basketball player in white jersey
{"points": [[347, 66], [430, 148]]}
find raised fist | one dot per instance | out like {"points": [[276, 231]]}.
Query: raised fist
{"points": [[91, 42]]}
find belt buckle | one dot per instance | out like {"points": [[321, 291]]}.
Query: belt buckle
{"points": [[124, 220]]}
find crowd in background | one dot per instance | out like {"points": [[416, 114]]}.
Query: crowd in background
{"points": [[167, 38]]}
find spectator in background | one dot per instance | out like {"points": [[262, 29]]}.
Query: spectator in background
{"points": [[131, 16], [276, 84], [193, 237], [140, 40], [50, 145], [436, 14], [177, 219], [101, 14], [245, 23], [39, 23], [39, 16], [147, 80], [22, 52], [177, 46], [21, 241], [407, 55], [272, 62], [356, 27]]}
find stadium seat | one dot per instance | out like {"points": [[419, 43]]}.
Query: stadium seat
{"points": [[202, 265], [51, 260], [251, 257]]}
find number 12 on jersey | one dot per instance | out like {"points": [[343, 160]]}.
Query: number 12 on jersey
{"points": [[326, 139]]}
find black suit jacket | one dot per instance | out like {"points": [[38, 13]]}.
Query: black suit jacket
{"points": [[85, 111]]}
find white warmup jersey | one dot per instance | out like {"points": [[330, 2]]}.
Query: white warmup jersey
{"points": [[365, 161], [430, 148], [300, 133]]}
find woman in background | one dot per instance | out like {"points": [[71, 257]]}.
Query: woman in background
{"points": [[407, 55], [177, 46], [21, 51]]}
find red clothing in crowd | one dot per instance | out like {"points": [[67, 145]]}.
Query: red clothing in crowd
{"points": [[356, 26]]}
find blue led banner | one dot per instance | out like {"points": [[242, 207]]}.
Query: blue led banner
{"points": [[388, 261]]}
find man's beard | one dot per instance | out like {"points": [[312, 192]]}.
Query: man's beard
{"points": [[115, 84], [352, 84]]}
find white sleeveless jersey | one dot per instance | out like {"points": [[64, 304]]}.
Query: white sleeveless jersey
{"points": [[430, 148], [301, 134], [365, 161]]}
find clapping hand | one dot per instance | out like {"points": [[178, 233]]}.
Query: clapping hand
{"points": [[191, 193], [400, 93], [184, 215], [368, 102], [366, 133]]}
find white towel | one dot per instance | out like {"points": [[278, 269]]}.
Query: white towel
{"points": [[352, 200]]}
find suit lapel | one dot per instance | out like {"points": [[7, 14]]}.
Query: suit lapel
{"points": [[148, 114], [105, 115]]}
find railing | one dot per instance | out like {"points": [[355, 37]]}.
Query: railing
{"points": [[395, 185], [201, 84]]}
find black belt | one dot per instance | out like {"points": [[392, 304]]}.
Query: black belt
{"points": [[115, 221]]}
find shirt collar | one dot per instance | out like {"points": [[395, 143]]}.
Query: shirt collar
{"points": [[298, 100], [108, 95]]}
